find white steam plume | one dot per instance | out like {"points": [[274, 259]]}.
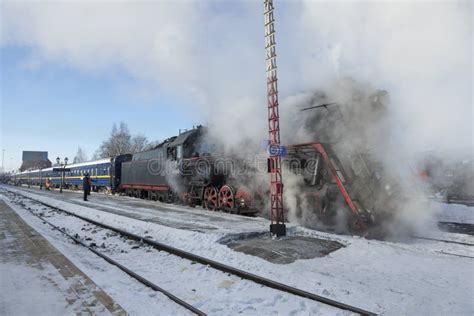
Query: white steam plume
{"points": [[212, 54]]}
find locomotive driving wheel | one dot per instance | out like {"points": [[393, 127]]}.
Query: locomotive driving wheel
{"points": [[210, 198], [227, 199]]}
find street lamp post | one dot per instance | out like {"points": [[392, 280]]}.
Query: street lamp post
{"points": [[63, 167], [41, 178]]}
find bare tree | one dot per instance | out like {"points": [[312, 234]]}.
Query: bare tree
{"points": [[80, 156], [139, 143], [118, 143], [96, 155], [121, 142]]}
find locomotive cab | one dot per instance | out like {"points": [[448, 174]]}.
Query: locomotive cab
{"points": [[186, 145], [324, 189]]}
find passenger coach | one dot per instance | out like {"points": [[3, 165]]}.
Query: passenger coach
{"points": [[105, 174]]}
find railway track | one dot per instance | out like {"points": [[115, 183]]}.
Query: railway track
{"points": [[443, 240], [448, 242], [451, 227], [458, 228], [134, 275], [191, 257]]}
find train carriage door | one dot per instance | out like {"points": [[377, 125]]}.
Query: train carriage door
{"points": [[113, 173]]}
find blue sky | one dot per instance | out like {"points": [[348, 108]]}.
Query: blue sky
{"points": [[55, 108]]}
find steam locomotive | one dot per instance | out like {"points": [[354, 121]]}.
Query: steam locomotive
{"points": [[185, 168], [340, 178]]}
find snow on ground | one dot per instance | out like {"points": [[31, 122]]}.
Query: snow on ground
{"points": [[213, 291], [412, 278], [456, 213], [43, 300], [26, 290]]}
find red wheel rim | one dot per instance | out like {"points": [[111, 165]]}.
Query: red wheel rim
{"points": [[227, 198], [210, 198]]}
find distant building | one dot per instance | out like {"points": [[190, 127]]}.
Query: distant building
{"points": [[35, 160]]}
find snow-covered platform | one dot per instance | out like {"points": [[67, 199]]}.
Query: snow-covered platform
{"points": [[36, 279]]}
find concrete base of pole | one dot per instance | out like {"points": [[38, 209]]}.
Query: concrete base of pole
{"points": [[278, 230]]}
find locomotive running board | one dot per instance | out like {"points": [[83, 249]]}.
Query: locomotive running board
{"points": [[349, 201]]}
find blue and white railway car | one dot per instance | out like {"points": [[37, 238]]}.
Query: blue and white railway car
{"points": [[29, 177], [105, 174], [98, 170]]}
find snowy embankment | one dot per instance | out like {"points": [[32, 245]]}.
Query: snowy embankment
{"points": [[384, 277]]}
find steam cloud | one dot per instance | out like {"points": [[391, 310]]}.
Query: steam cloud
{"points": [[212, 55]]}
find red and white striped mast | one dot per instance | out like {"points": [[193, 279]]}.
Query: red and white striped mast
{"points": [[277, 226]]}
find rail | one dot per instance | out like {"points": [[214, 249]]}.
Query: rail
{"points": [[216, 265]]}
